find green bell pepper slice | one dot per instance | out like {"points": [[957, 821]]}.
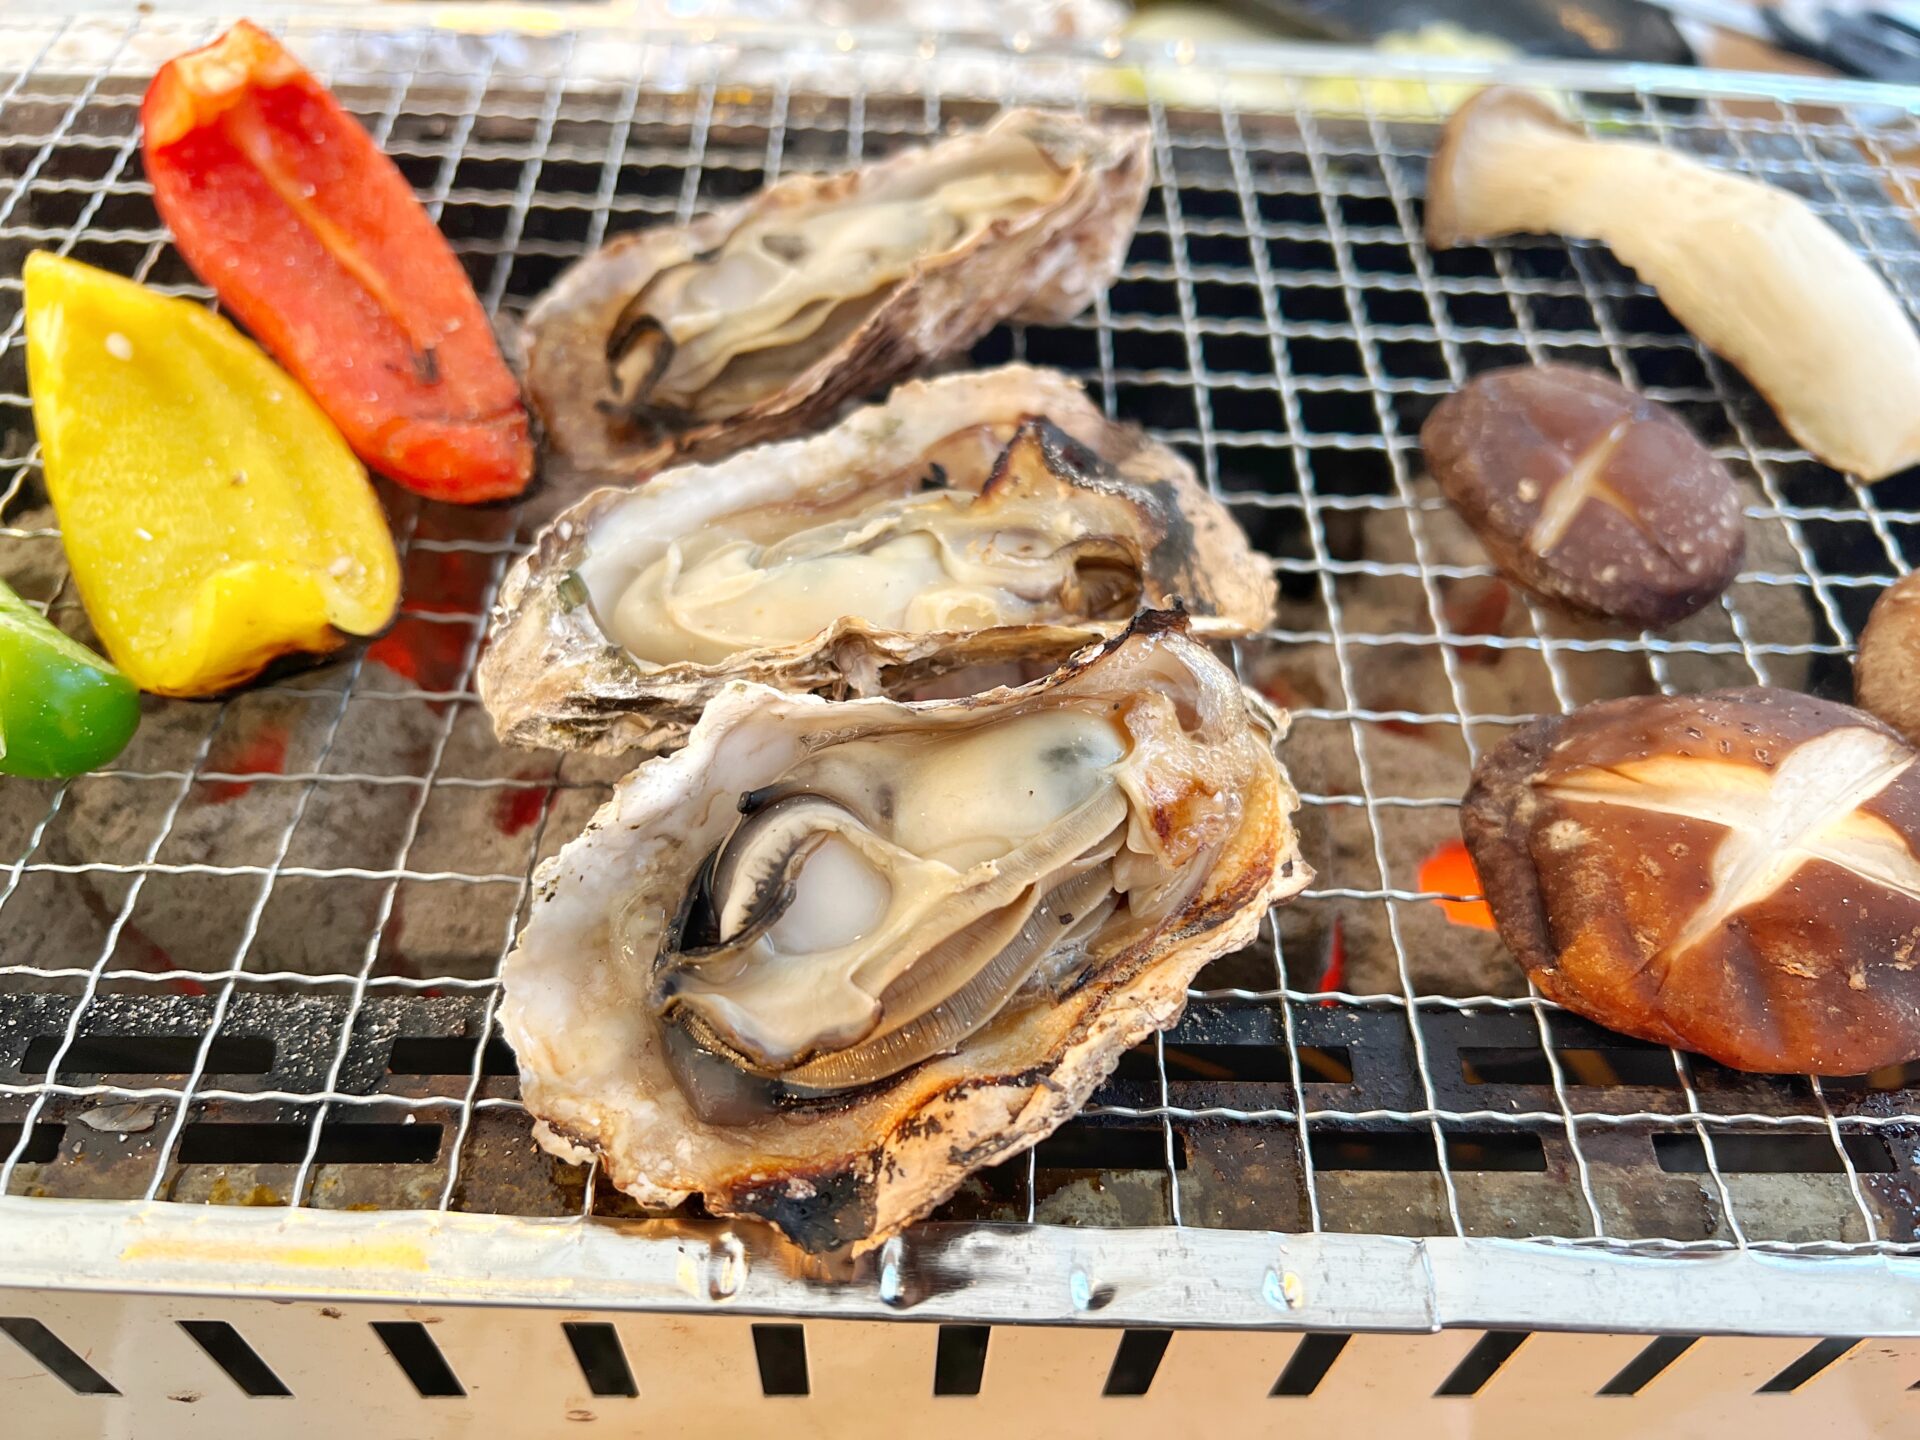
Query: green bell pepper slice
{"points": [[63, 709]]}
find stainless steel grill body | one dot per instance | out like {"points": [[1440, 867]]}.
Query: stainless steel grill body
{"points": [[247, 975]]}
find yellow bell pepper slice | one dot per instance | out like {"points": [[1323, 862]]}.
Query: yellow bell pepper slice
{"points": [[213, 516]]}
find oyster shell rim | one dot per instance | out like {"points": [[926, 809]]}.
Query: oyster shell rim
{"points": [[1049, 266], [932, 1141], [551, 678]]}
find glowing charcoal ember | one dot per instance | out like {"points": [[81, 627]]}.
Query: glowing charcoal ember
{"points": [[1448, 871]]}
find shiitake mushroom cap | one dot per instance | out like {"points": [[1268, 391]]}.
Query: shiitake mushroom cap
{"points": [[1786, 941]]}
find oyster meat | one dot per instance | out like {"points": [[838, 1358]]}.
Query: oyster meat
{"points": [[970, 521], [759, 320], [830, 958]]}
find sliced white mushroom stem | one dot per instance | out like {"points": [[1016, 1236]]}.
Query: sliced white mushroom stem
{"points": [[1748, 268]]}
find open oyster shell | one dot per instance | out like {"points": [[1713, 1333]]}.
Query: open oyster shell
{"points": [[759, 320], [727, 986], [861, 561]]}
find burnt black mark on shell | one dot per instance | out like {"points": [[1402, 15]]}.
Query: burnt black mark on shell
{"points": [[1170, 620], [580, 1140], [1031, 428], [820, 1212], [1173, 558], [973, 1157], [1066, 455], [919, 1126]]}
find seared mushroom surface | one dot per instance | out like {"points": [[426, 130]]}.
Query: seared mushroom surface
{"points": [[1886, 676], [1590, 494], [1732, 873]]}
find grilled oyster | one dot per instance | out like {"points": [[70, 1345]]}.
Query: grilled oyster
{"points": [[946, 528], [830, 958], [759, 320]]}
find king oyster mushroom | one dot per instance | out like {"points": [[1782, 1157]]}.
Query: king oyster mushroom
{"points": [[759, 320], [830, 958], [972, 520], [1747, 267]]}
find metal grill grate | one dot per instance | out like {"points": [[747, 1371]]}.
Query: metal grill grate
{"points": [[254, 962]]}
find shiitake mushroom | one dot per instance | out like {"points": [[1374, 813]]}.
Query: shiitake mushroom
{"points": [[1735, 873]]}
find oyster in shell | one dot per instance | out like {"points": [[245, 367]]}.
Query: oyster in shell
{"points": [[829, 959], [970, 520], [759, 320]]}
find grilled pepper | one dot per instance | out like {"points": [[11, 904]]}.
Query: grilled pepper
{"points": [[212, 516], [314, 240], [62, 708]]}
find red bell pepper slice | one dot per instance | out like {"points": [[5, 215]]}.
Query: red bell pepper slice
{"points": [[313, 239]]}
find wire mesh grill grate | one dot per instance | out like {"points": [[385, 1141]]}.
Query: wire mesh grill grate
{"points": [[254, 962]]}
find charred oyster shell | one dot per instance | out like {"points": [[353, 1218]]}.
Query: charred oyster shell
{"points": [[759, 320], [829, 959], [948, 527]]}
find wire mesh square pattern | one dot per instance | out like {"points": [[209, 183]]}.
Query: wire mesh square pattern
{"points": [[255, 961]]}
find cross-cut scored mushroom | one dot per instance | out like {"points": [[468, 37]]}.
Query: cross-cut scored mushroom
{"points": [[1807, 808], [1736, 873], [1588, 493], [1748, 268], [1582, 482]]}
